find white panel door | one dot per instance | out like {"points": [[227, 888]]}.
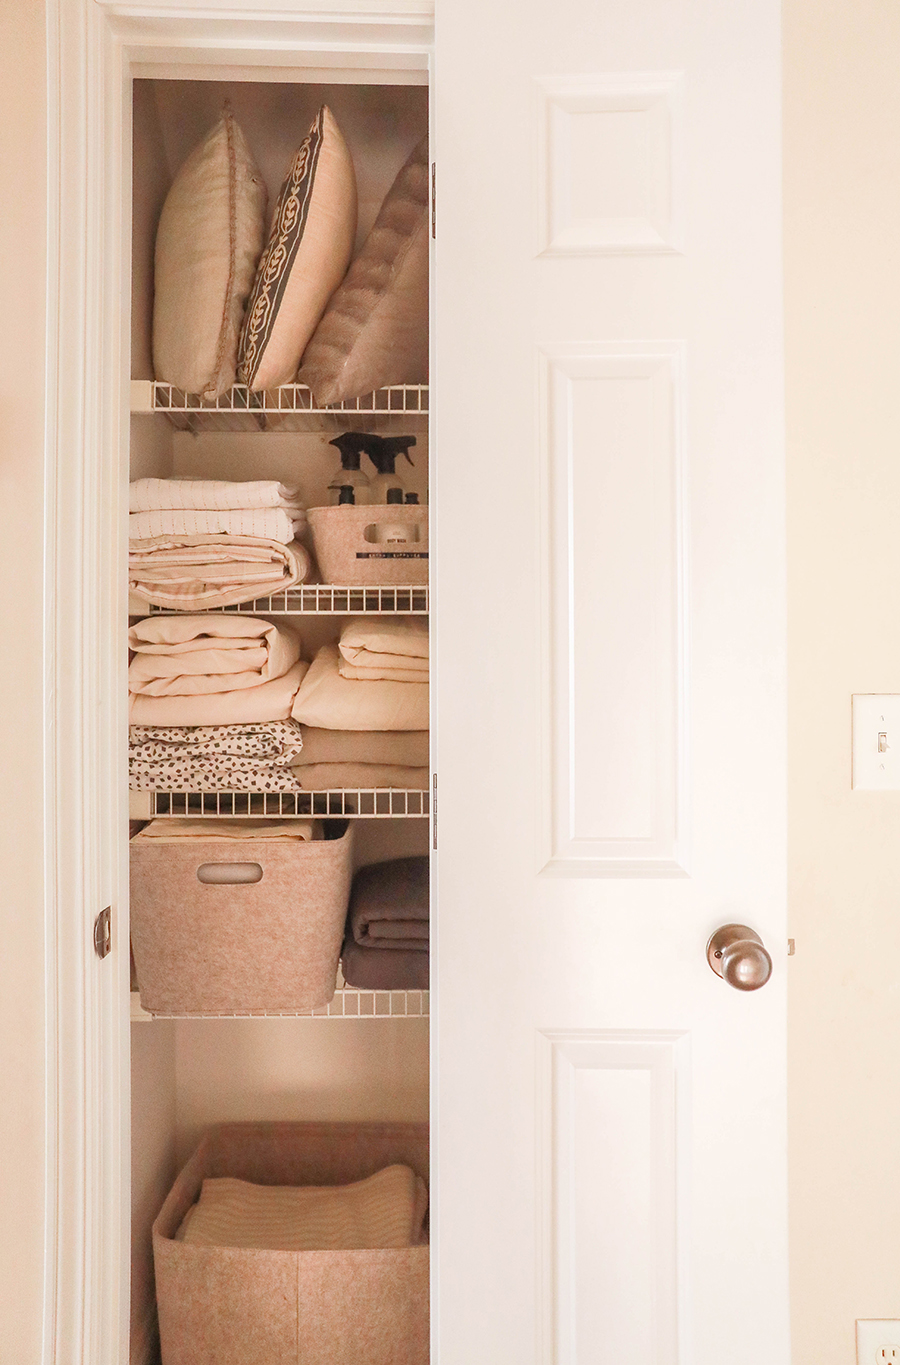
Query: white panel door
{"points": [[610, 682]]}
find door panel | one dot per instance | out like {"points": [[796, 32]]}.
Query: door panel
{"points": [[610, 686]]}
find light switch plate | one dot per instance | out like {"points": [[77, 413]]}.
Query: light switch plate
{"points": [[876, 1340], [876, 741]]}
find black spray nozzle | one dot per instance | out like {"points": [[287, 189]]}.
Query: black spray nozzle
{"points": [[352, 444], [390, 447]]}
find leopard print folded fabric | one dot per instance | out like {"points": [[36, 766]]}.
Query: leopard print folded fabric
{"points": [[255, 757]]}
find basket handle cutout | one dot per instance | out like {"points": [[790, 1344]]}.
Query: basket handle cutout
{"points": [[229, 874]]}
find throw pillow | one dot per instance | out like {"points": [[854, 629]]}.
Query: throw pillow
{"points": [[305, 259], [210, 234], [375, 329]]}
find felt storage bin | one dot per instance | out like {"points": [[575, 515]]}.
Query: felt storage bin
{"points": [[230, 1306], [248, 946], [351, 549]]}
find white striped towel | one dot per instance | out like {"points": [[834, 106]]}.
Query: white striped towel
{"points": [[153, 495], [385, 1210], [262, 523]]}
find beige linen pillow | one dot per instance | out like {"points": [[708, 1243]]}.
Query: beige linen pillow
{"points": [[305, 259], [375, 329], [210, 234]]}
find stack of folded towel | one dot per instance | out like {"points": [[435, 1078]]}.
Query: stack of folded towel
{"points": [[363, 708], [197, 544], [383, 1211], [386, 940], [209, 703]]}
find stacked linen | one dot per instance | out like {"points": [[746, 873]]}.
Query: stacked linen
{"points": [[209, 703], [363, 706], [386, 938], [256, 757], [385, 1210], [196, 544]]}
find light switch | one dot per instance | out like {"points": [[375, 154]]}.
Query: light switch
{"points": [[876, 741]]}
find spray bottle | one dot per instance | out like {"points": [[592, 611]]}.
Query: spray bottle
{"points": [[351, 444], [384, 457]]}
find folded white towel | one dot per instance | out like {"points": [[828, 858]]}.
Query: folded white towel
{"points": [[152, 495], [386, 1210], [261, 523]]}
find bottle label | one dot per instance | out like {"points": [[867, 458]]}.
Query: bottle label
{"points": [[392, 554]]}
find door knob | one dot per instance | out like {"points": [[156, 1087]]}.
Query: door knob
{"points": [[737, 954]]}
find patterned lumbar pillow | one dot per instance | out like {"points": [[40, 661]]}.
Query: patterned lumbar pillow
{"points": [[210, 234], [375, 329], [305, 259]]}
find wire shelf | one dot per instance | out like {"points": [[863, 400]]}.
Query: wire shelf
{"points": [[291, 407], [348, 1003], [385, 803], [331, 600]]}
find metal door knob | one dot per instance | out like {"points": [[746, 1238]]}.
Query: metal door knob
{"points": [[738, 955]]}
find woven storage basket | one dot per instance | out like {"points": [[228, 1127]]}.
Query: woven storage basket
{"points": [[253, 948], [229, 1306], [348, 550]]}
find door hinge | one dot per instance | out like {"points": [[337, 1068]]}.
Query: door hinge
{"points": [[434, 811], [434, 199], [102, 933]]}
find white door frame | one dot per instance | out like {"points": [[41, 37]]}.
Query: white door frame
{"points": [[92, 47]]}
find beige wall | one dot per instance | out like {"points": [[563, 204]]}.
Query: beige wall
{"points": [[22, 251], [842, 205]]}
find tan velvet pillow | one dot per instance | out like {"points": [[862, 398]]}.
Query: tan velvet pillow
{"points": [[305, 259], [375, 329], [210, 234]]}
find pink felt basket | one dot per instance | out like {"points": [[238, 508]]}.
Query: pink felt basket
{"points": [[270, 946], [349, 552], [230, 1306]]}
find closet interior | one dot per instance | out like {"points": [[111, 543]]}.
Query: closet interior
{"points": [[204, 1055]]}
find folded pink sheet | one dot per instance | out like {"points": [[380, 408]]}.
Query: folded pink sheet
{"points": [[270, 701], [191, 655]]}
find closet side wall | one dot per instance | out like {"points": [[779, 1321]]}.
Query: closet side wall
{"points": [[23, 164], [842, 288]]}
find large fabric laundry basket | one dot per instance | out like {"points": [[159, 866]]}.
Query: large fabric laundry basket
{"points": [[351, 548], [260, 947], [229, 1306]]}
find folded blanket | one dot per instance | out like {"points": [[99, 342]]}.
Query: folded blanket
{"points": [[194, 655], [385, 1210], [399, 643], [231, 758], [320, 777], [269, 701], [173, 831], [150, 495], [389, 905], [403, 748], [393, 650], [331, 702], [266, 523], [381, 671], [191, 573], [383, 969]]}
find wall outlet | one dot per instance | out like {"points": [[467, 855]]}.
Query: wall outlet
{"points": [[878, 1341]]}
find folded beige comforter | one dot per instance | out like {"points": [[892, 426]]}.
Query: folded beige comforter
{"points": [[269, 701], [330, 702], [385, 1210], [195, 655], [194, 573], [403, 748]]}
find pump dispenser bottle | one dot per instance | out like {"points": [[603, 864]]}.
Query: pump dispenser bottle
{"points": [[384, 456], [351, 445]]}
